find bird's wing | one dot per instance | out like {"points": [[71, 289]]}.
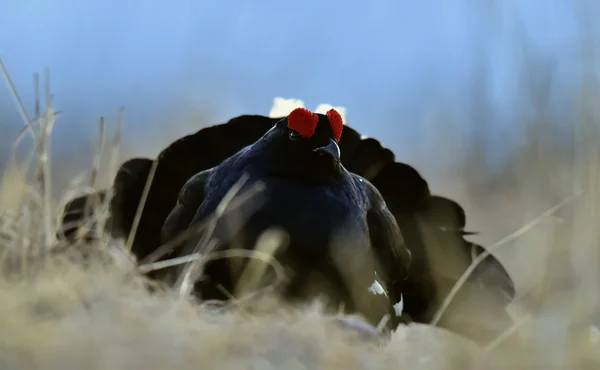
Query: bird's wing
{"points": [[446, 220], [491, 272], [78, 217], [478, 308], [127, 188], [387, 242], [432, 226], [190, 199], [123, 204], [442, 256]]}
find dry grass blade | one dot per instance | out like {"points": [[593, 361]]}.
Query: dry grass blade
{"points": [[41, 131], [169, 246], [98, 154], [382, 323], [18, 101], [89, 205], [462, 280], [171, 262], [113, 165], [265, 257], [269, 243], [44, 172], [504, 336], [36, 94], [140, 208]]}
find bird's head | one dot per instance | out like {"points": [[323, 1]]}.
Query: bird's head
{"points": [[304, 146]]}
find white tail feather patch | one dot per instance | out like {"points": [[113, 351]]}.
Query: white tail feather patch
{"points": [[323, 108], [399, 307], [282, 107], [376, 288]]}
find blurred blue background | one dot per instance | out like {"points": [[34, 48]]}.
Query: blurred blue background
{"points": [[390, 62], [403, 69]]}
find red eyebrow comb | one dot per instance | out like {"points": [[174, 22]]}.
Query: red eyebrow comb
{"points": [[336, 123], [303, 122]]}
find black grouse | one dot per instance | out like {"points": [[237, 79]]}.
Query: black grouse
{"points": [[432, 226], [342, 237]]}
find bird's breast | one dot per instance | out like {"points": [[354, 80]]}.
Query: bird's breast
{"points": [[310, 215]]}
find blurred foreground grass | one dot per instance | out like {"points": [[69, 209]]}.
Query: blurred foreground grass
{"points": [[86, 307]]}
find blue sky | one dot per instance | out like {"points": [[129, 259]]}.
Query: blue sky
{"points": [[182, 64], [403, 69]]}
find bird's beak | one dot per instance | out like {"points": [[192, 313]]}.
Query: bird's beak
{"points": [[331, 149]]}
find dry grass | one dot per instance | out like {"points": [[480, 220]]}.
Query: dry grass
{"points": [[86, 306]]}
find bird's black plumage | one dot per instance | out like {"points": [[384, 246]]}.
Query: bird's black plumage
{"points": [[432, 226], [318, 203]]}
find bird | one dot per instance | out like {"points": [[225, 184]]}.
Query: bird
{"points": [[341, 236], [432, 226]]}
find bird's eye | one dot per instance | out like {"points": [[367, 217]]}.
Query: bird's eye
{"points": [[294, 135]]}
